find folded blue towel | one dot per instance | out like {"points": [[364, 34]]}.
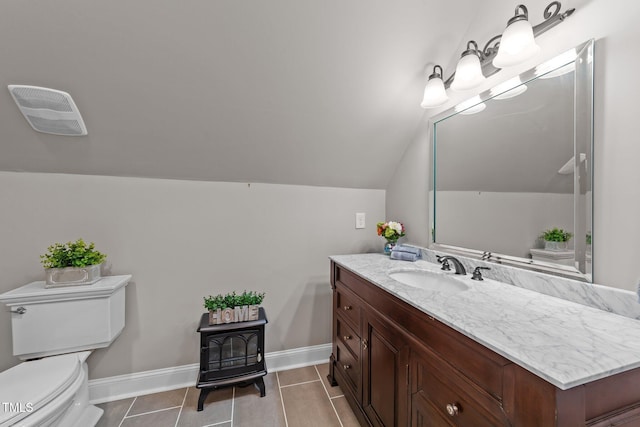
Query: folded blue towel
{"points": [[404, 256], [408, 249]]}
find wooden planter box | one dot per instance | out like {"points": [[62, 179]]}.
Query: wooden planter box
{"points": [[72, 276], [233, 315]]}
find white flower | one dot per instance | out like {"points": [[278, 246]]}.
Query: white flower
{"points": [[396, 226]]}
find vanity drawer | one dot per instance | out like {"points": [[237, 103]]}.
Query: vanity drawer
{"points": [[479, 364], [453, 396], [348, 336], [349, 368], [348, 306]]}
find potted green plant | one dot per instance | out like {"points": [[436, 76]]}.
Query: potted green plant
{"points": [[72, 263], [556, 239], [232, 307]]}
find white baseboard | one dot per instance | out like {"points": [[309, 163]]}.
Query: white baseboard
{"points": [[139, 383]]}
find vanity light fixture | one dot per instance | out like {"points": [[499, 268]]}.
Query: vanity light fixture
{"points": [[515, 45], [434, 93]]}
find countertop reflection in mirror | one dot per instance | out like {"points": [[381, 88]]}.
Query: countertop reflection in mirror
{"points": [[519, 166]]}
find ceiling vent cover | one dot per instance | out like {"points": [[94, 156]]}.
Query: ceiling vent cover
{"points": [[49, 110]]}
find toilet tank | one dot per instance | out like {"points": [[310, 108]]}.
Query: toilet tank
{"points": [[50, 321]]}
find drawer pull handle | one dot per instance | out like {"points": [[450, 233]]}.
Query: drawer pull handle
{"points": [[346, 367], [347, 337], [19, 310], [347, 307], [452, 409]]}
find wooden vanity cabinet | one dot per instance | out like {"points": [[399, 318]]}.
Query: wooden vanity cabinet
{"points": [[380, 360], [398, 366], [369, 361]]}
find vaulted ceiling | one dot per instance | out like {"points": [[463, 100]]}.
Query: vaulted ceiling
{"points": [[283, 91]]}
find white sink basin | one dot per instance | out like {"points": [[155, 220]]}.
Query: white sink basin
{"points": [[429, 280]]}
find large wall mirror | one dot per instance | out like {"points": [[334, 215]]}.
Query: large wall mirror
{"points": [[517, 162]]}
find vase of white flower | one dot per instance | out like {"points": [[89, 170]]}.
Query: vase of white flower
{"points": [[391, 231]]}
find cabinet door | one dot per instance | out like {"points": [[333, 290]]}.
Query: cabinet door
{"points": [[385, 373], [423, 414]]}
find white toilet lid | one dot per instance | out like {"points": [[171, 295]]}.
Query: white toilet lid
{"points": [[36, 382]]}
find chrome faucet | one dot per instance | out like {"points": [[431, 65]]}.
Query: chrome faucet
{"points": [[444, 260], [477, 273]]}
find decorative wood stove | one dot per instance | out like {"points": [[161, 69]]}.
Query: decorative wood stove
{"points": [[231, 354]]}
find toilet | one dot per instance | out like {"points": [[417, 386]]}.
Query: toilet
{"points": [[54, 331]]}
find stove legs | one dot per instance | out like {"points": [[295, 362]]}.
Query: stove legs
{"points": [[260, 386], [204, 391]]}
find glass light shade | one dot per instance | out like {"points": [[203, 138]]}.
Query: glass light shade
{"points": [[434, 93], [516, 45], [471, 106], [557, 66], [509, 89], [468, 73], [475, 109]]}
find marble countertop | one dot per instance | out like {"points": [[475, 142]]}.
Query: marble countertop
{"points": [[566, 343]]}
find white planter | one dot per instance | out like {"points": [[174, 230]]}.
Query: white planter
{"points": [[72, 276], [555, 246]]}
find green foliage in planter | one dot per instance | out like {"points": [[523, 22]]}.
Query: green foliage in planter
{"points": [[588, 238], [71, 254], [556, 235], [233, 300]]}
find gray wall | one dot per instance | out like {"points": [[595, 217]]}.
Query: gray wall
{"points": [[506, 223], [616, 193], [182, 240]]}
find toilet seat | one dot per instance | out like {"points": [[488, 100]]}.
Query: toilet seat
{"points": [[32, 385]]}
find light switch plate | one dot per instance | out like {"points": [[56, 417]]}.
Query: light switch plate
{"points": [[360, 220]]}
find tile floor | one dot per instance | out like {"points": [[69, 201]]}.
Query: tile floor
{"points": [[298, 397]]}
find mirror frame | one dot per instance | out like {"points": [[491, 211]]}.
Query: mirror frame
{"points": [[583, 142]]}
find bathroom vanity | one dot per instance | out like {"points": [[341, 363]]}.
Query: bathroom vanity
{"points": [[483, 354]]}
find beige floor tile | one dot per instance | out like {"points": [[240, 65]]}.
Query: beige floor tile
{"points": [[251, 410], [114, 412], [323, 370], [216, 409], [307, 405], [156, 401], [347, 417], [297, 376], [155, 419]]}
